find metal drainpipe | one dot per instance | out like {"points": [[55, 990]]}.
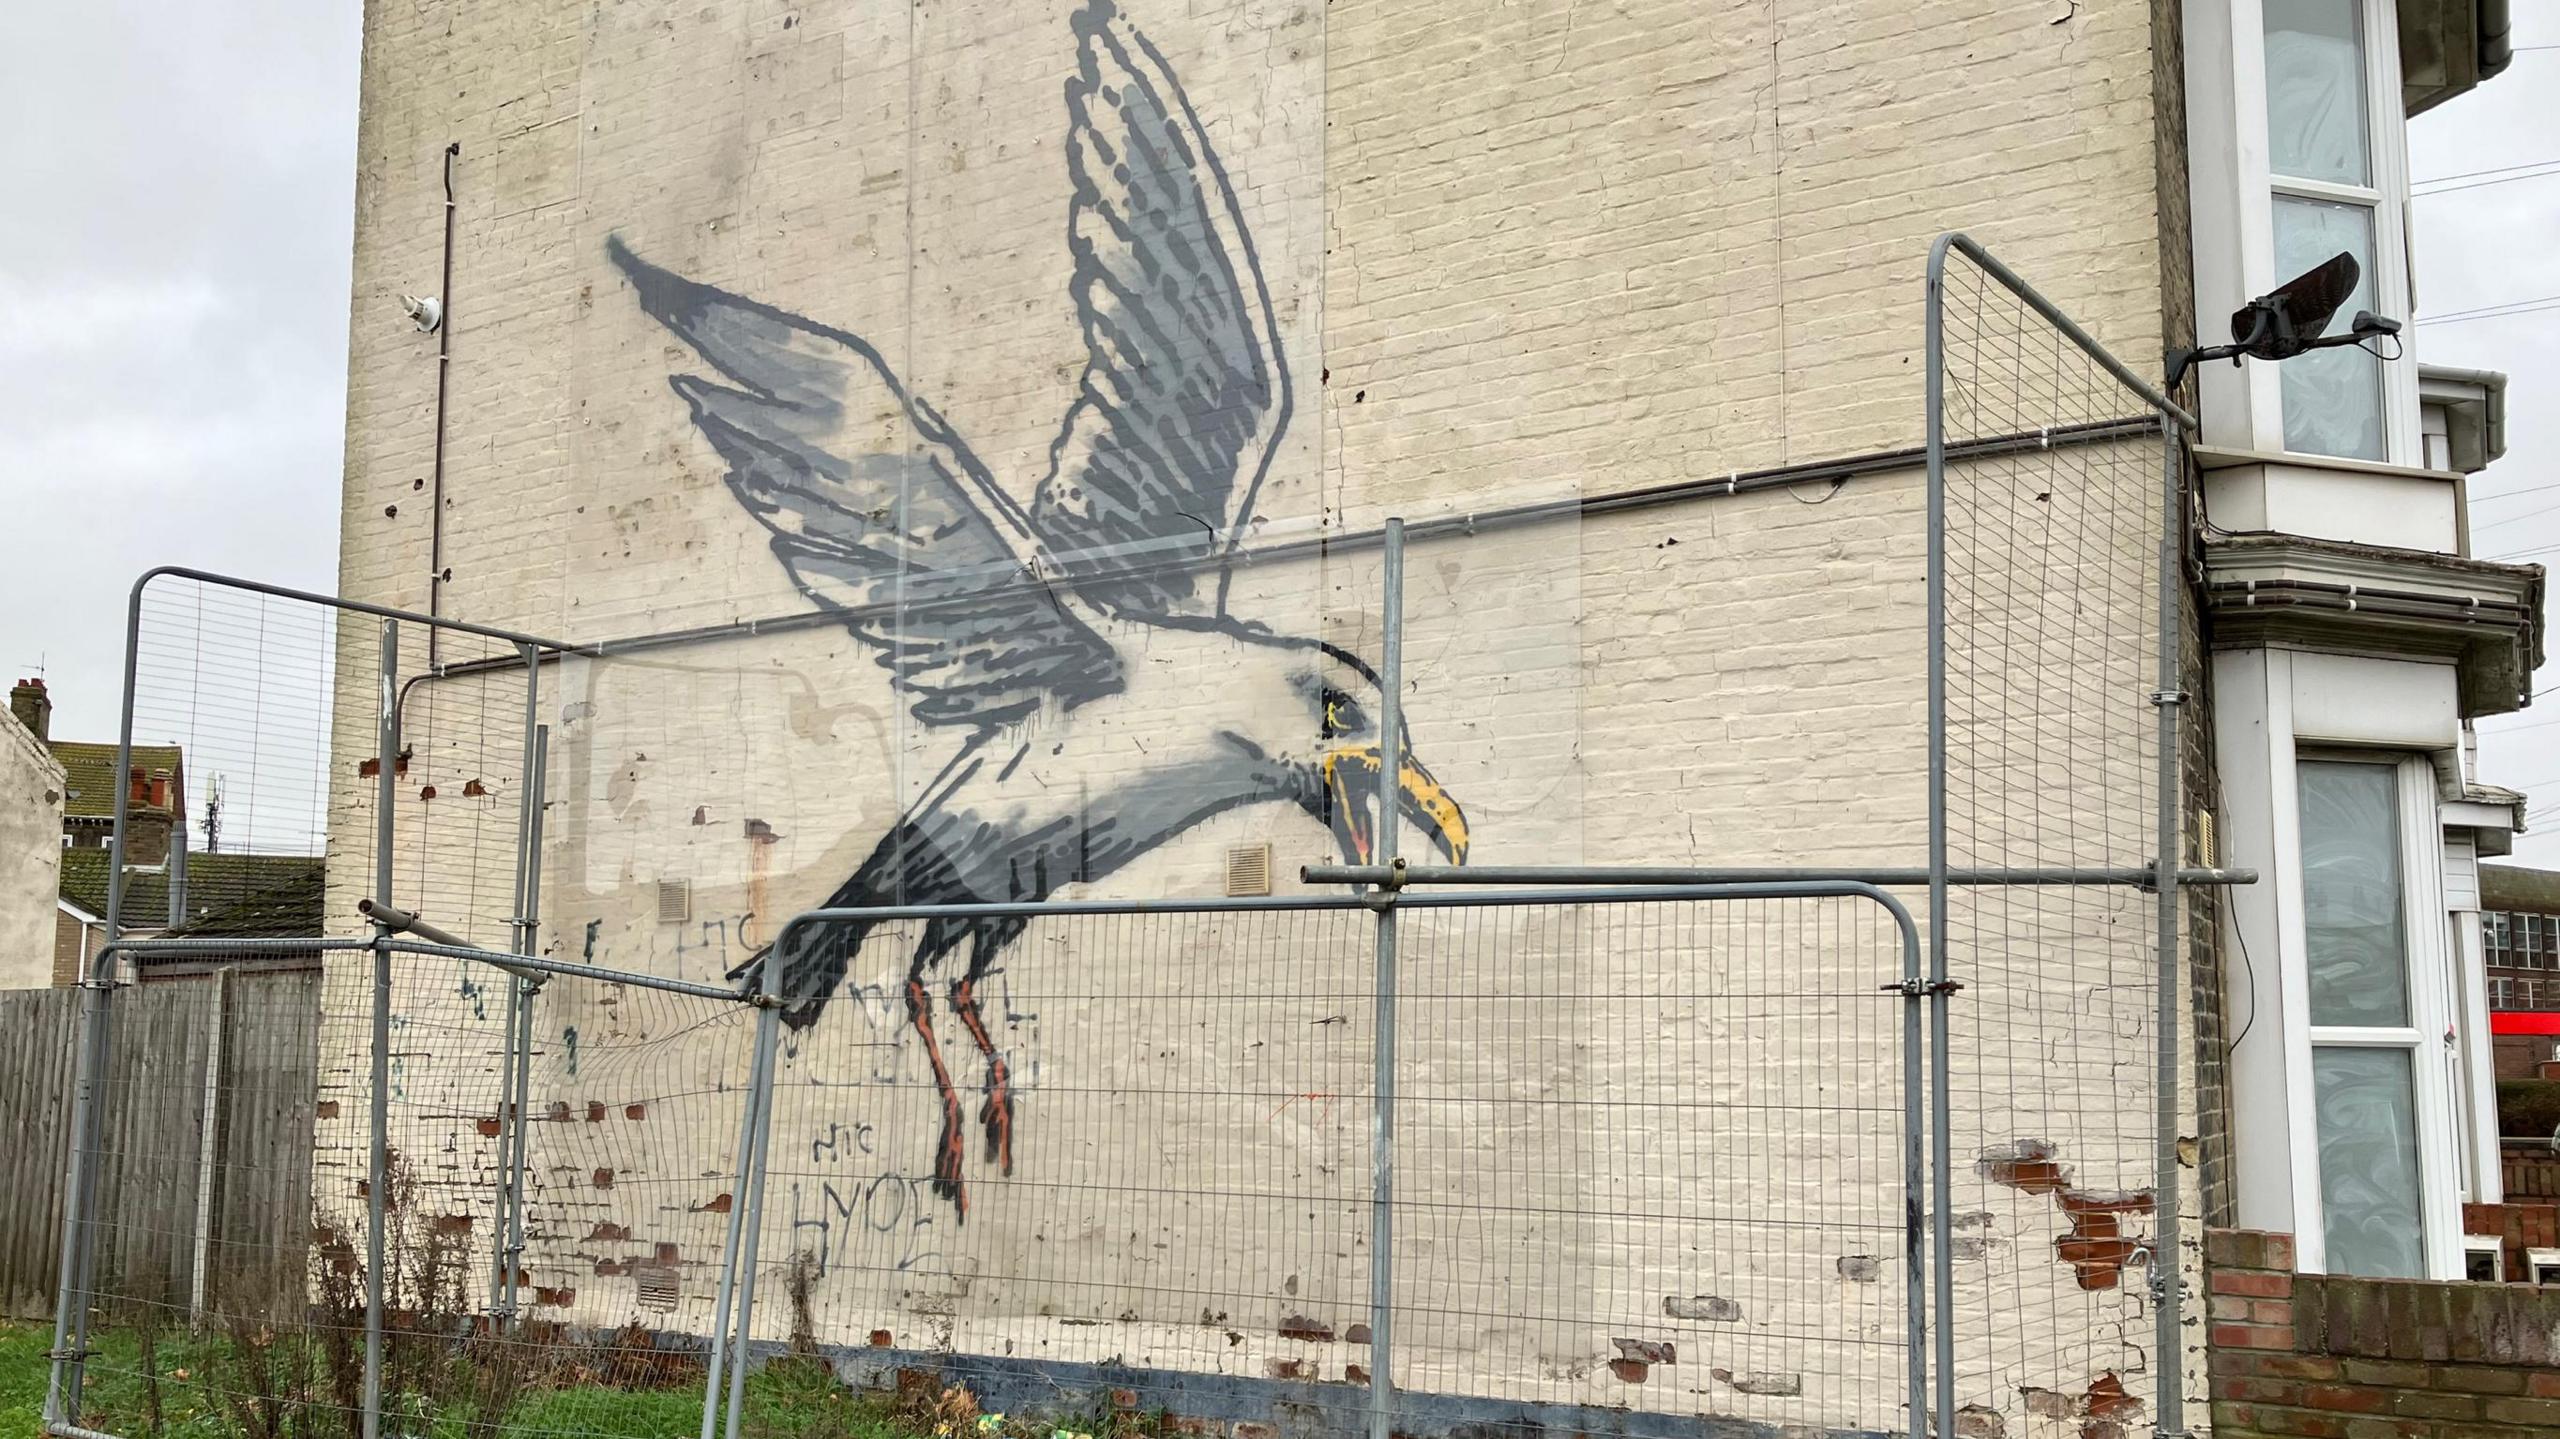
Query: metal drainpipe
{"points": [[444, 366]]}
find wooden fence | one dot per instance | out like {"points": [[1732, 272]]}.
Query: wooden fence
{"points": [[205, 1168]]}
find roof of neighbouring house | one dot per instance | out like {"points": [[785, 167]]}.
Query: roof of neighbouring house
{"points": [[89, 771], [2514, 887], [287, 904], [278, 893]]}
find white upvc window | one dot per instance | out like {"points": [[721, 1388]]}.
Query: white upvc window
{"points": [[2379, 1149], [2313, 161]]}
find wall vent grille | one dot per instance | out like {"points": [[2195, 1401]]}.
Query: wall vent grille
{"points": [[1248, 870], [675, 901]]}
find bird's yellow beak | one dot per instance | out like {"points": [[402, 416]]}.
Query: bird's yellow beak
{"points": [[1351, 797]]}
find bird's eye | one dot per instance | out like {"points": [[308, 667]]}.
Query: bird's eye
{"points": [[1342, 715]]}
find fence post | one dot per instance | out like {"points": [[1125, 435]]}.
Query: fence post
{"points": [[97, 1037], [750, 1181], [1382, 1146], [760, 1103], [209, 1144], [1941, 1118], [2169, 1398], [386, 794], [506, 1229]]}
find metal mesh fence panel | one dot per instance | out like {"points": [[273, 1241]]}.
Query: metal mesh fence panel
{"points": [[2053, 517], [231, 1233], [1650, 1156], [1153, 1167]]}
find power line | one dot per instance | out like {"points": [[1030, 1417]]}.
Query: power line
{"points": [[2511, 519], [2493, 312], [2475, 174], [2418, 194], [2516, 493]]}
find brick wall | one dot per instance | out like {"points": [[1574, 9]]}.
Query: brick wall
{"points": [[2531, 1171], [1525, 253], [2327, 1357], [2519, 1227]]}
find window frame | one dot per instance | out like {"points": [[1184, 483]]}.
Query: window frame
{"points": [[2253, 393], [2425, 1038]]}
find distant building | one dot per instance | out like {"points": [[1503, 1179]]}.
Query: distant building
{"points": [[166, 887], [2520, 952], [31, 802]]}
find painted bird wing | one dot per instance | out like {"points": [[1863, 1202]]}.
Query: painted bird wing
{"points": [[1185, 392], [877, 508]]}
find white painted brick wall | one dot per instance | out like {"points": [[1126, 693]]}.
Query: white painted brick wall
{"points": [[1519, 252]]}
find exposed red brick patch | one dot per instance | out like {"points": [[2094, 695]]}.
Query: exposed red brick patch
{"points": [[426, 791], [604, 1179], [1631, 1370], [881, 1339], [2107, 1398], [607, 1229], [635, 1111], [2023, 1164], [452, 1224], [595, 1111], [562, 1298], [1299, 1326], [614, 1268], [488, 1128], [473, 789], [719, 1204], [1292, 1369], [328, 1109], [1650, 1351], [1355, 1373], [560, 1110]]}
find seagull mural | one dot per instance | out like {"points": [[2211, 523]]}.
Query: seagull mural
{"points": [[1104, 696]]}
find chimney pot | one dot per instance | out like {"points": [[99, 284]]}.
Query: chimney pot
{"points": [[32, 707]]}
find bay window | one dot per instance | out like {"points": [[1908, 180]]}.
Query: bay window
{"points": [[2310, 89], [2376, 978]]}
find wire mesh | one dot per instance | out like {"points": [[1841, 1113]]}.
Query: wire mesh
{"points": [[1154, 1170], [2051, 571], [1651, 1157], [236, 1124]]}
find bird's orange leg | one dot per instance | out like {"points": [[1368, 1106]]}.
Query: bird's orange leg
{"points": [[946, 1164], [997, 1113]]}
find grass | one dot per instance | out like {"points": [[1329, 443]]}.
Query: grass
{"points": [[787, 1399]]}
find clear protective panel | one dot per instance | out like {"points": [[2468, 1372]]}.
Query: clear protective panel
{"points": [[1651, 1155], [2332, 398], [2316, 91], [2369, 1187], [2052, 655], [2353, 926]]}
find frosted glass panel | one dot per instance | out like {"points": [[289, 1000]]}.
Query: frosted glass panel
{"points": [[2332, 398], [2351, 920], [2368, 1161], [2315, 91]]}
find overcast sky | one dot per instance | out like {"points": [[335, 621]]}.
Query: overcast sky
{"points": [[174, 244]]}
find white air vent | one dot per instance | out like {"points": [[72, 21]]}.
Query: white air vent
{"points": [[658, 1286], [1248, 870], [675, 901], [2484, 1258], [2542, 1266]]}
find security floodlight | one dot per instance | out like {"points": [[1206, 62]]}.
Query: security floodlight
{"points": [[2287, 320]]}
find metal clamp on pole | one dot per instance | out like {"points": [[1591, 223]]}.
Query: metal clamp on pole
{"points": [[400, 921]]}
